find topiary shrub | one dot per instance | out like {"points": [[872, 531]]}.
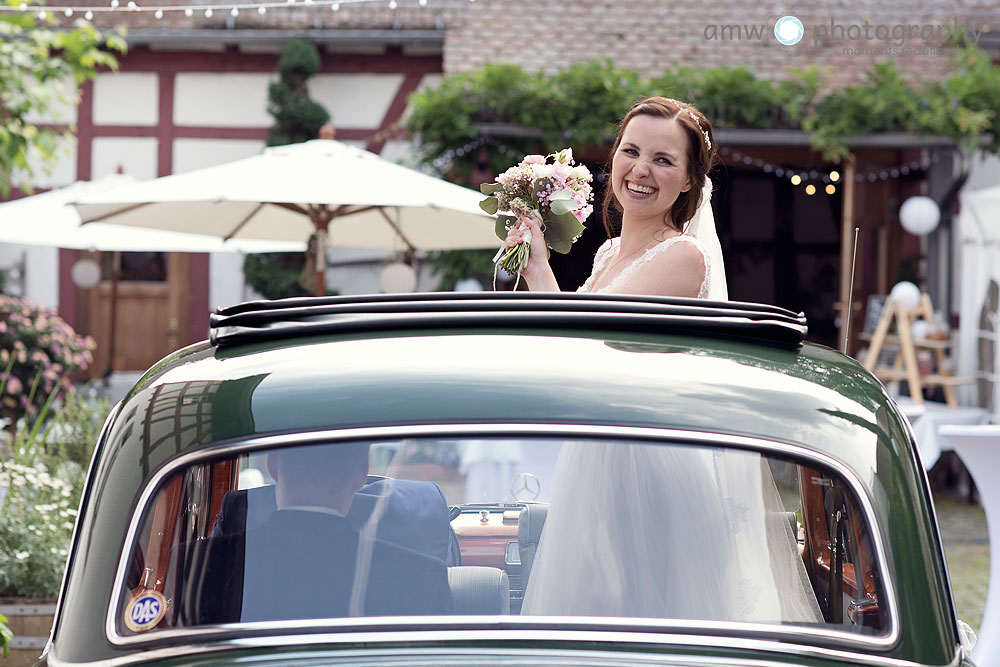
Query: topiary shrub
{"points": [[297, 118]]}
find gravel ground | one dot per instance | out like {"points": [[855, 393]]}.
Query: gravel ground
{"points": [[967, 550]]}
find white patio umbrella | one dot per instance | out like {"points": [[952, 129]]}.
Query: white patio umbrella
{"points": [[47, 219], [345, 195]]}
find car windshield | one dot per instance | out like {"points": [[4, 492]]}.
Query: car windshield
{"points": [[529, 527]]}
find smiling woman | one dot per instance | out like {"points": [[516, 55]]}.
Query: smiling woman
{"points": [[659, 165]]}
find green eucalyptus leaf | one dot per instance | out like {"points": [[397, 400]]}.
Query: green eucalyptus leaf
{"points": [[503, 225], [561, 206], [565, 193], [490, 205], [489, 188], [561, 231]]}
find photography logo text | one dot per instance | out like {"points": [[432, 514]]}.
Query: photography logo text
{"points": [[891, 39]]}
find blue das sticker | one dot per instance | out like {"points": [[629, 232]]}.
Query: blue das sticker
{"points": [[145, 611]]}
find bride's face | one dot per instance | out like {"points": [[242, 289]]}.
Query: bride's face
{"points": [[650, 168]]}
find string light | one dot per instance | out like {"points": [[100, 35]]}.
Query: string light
{"points": [[234, 8], [800, 176], [810, 189]]}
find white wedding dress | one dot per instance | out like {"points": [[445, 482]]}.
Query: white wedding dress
{"points": [[665, 531]]}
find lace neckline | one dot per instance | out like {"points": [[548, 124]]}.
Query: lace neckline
{"points": [[607, 251]]}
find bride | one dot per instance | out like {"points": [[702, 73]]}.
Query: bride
{"points": [[670, 531]]}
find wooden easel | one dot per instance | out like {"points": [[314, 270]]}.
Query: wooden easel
{"points": [[894, 327]]}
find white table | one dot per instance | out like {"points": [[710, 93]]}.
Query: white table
{"points": [[929, 418], [979, 449]]}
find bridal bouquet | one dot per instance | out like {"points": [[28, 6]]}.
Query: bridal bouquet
{"points": [[552, 189]]}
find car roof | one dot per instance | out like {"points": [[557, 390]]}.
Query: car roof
{"points": [[534, 359]]}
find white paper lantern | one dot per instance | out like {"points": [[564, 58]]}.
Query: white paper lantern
{"points": [[906, 294], [397, 278], [85, 273], [919, 215], [919, 329]]}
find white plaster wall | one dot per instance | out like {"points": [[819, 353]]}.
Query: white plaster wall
{"points": [[222, 100], [63, 95], [400, 152], [355, 100], [365, 278], [135, 155], [41, 276], [55, 174], [225, 279], [191, 154], [126, 98]]}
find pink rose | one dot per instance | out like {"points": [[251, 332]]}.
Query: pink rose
{"points": [[533, 159], [561, 171]]}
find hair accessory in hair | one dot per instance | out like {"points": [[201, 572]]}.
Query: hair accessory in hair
{"points": [[684, 106]]}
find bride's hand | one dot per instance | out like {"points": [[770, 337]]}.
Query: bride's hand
{"points": [[538, 262]]}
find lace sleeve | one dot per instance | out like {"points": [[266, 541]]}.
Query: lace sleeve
{"points": [[706, 282], [653, 252], [600, 259]]}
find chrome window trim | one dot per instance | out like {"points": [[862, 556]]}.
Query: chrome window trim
{"points": [[616, 644], [421, 623]]}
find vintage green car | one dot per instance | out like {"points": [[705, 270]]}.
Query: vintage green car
{"points": [[506, 478]]}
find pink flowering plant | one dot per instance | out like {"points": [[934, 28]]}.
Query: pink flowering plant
{"points": [[554, 190], [39, 353]]}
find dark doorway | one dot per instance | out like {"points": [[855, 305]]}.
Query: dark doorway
{"points": [[781, 245]]}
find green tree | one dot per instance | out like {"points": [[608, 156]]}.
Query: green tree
{"points": [[35, 62], [297, 118]]}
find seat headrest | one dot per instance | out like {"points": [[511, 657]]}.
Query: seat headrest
{"points": [[530, 522]]}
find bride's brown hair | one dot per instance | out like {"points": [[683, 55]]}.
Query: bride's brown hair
{"points": [[701, 157]]}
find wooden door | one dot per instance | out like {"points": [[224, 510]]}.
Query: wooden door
{"points": [[150, 310]]}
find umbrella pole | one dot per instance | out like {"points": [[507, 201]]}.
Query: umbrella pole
{"points": [[115, 273], [321, 259]]}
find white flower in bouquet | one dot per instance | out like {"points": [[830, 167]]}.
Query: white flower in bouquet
{"points": [[558, 193]]}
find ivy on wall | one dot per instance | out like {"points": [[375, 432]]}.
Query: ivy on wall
{"points": [[581, 105]]}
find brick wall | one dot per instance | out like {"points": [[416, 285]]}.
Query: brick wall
{"points": [[656, 35]]}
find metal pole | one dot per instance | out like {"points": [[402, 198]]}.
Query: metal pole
{"points": [[846, 225]]}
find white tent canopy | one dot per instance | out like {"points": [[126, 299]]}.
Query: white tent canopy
{"points": [[47, 219], [979, 329], [289, 192]]}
